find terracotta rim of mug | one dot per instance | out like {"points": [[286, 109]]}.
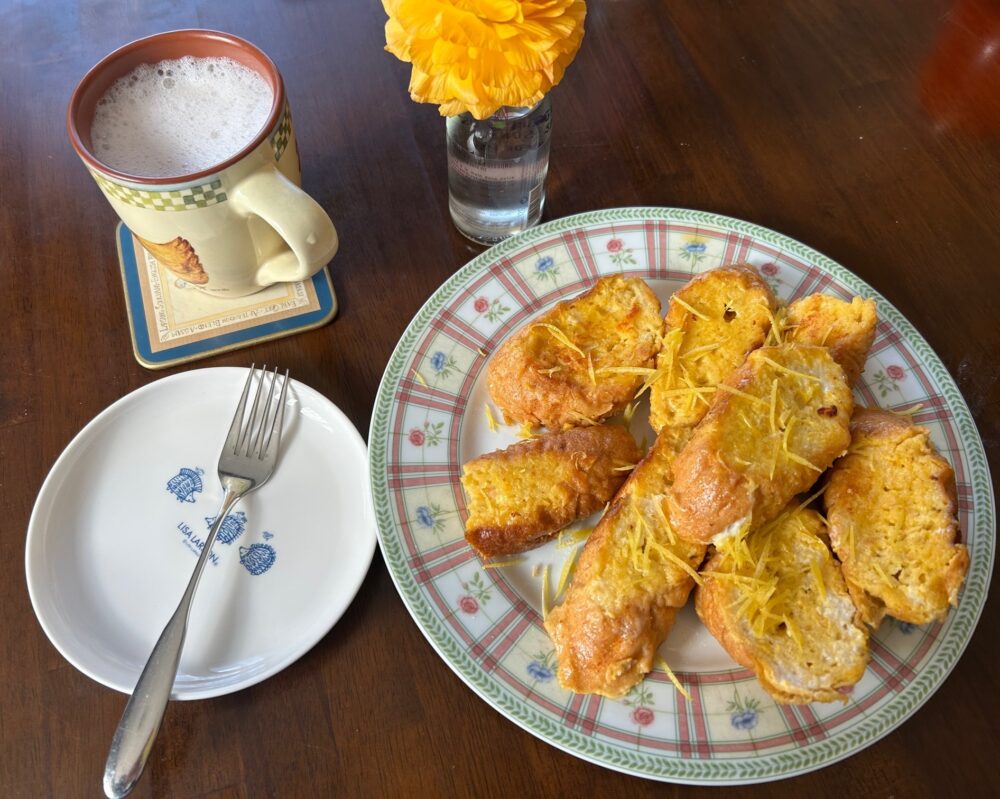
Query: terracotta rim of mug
{"points": [[195, 42]]}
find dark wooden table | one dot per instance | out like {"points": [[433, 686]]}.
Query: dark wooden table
{"points": [[802, 116]]}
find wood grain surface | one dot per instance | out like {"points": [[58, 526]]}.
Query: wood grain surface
{"points": [[802, 116]]}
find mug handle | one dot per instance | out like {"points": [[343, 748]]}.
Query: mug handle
{"points": [[297, 218]]}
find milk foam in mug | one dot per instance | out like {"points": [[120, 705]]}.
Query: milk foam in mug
{"points": [[189, 135]]}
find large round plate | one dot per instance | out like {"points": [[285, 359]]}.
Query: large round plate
{"points": [[124, 512], [486, 623]]}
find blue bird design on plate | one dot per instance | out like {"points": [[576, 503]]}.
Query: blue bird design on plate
{"points": [[232, 527], [185, 484], [257, 558]]}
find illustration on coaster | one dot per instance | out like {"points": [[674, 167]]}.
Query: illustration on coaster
{"points": [[179, 257]]}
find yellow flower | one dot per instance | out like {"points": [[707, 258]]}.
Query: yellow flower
{"points": [[479, 55]]}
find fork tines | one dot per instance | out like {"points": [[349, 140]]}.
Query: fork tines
{"points": [[247, 432]]}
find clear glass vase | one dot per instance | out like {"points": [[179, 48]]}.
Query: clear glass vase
{"points": [[496, 171]]}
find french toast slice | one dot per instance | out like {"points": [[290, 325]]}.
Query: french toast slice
{"points": [[520, 496], [632, 577], [847, 329], [778, 604], [773, 428], [891, 504], [581, 361], [712, 322]]}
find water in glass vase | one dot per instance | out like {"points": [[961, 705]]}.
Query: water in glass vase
{"points": [[496, 171]]}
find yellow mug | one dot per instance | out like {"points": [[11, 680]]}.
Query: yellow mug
{"points": [[236, 227]]}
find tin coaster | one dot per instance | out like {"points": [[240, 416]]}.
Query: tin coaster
{"points": [[172, 322]]}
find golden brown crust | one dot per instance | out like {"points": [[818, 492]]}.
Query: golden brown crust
{"points": [[892, 507], [878, 423], [747, 288], [625, 593], [847, 329], [520, 496], [781, 608], [734, 308], [537, 378], [711, 599], [752, 453]]}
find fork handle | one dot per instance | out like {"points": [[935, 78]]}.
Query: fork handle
{"points": [[140, 722]]}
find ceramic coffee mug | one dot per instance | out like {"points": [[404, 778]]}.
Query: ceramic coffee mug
{"points": [[231, 229]]}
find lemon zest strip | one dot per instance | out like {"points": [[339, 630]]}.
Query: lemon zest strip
{"points": [[561, 337], [688, 308]]}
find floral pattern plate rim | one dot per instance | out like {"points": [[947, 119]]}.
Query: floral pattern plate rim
{"points": [[430, 417]]}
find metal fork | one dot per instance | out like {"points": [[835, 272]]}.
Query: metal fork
{"points": [[246, 462]]}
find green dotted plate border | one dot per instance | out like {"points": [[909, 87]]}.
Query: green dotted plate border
{"points": [[735, 771]]}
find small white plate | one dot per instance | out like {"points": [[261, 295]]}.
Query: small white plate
{"points": [[116, 530]]}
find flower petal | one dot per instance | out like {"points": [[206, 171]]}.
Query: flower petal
{"points": [[480, 55]]}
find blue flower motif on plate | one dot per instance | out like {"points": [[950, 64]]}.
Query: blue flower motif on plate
{"points": [[424, 516], [743, 711], [745, 720], [539, 671], [546, 269], [438, 361]]}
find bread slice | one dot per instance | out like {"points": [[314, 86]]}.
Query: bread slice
{"points": [[891, 505], [712, 322], [583, 360], [779, 606], [633, 575], [772, 429], [517, 498], [847, 329]]}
